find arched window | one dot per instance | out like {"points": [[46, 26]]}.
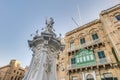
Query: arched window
{"points": [[90, 77], [108, 76], [94, 36], [94, 33], [82, 38], [118, 17]]}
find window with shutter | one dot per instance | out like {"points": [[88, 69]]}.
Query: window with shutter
{"points": [[82, 41], [95, 36], [101, 54], [73, 61]]}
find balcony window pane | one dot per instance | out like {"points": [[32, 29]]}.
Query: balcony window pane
{"points": [[82, 41], [95, 36], [81, 59], [88, 58], [84, 58], [91, 56], [77, 60]]}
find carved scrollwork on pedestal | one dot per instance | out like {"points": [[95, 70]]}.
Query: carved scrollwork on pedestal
{"points": [[36, 65], [47, 65]]}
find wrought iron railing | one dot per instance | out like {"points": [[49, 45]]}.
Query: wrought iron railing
{"points": [[85, 44], [98, 62]]}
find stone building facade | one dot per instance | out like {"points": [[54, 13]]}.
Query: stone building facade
{"points": [[92, 51], [12, 71]]}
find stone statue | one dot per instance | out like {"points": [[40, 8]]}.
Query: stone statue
{"points": [[49, 24]]}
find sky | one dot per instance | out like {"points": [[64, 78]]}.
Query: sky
{"points": [[21, 18]]}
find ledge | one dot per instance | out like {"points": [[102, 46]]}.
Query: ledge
{"points": [[110, 9]]}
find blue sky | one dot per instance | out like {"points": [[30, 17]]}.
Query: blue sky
{"points": [[20, 18]]}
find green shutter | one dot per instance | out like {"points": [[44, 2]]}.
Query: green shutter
{"points": [[95, 36], [82, 41], [73, 61], [101, 54]]}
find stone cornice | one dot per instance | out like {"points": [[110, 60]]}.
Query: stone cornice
{"points": [[95, 21], [110, 9], [21, 69], [84, 26], [5, 66]]}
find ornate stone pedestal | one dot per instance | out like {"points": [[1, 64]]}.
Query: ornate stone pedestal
{"points": [[46, 48]]}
